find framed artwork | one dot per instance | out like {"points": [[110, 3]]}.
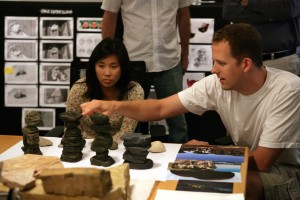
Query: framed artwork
{"points": [[21, 27], [21, 95], [47, 117], [56, 50], [200, 58], [53, 96], [21, 73], [55, 73], [20, 50], [190, 78], [89, 24], [202, 30], [86, 42], [56, 27]]}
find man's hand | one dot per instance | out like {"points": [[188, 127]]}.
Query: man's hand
{"points": [[196, 142], [244, 2], [104, 107]]}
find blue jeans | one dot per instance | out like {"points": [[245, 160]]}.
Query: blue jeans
{"points": [[167, 83]]}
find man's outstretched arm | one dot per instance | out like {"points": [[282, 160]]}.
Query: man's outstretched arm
{"points": [[140, 110]]}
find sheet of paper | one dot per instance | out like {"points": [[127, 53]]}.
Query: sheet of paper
{"points": [[179, 195]]}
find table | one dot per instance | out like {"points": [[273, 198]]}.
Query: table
{"points": [[7, 141], [142, 183]]}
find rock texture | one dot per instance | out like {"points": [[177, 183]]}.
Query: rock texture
{"points": [[90, 182], [103, 140], [31, 133], [72, 140], [136, 152], [20, 172], [157, 147], [120, 178]]}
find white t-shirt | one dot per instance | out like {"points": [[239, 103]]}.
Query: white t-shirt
{"points": [[268, 118]]}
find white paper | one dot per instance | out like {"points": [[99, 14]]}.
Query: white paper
{"points": [[180, 195]]}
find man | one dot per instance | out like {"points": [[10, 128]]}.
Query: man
{"points": [[150, 35], [279, 24], [258, 105]]}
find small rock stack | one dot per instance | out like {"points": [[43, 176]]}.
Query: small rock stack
{"points": [[103, 140], [137, 146], [30, 132], [72, 141]]}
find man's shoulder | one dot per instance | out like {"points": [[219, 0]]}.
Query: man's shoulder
{"points": [[284, 79]]}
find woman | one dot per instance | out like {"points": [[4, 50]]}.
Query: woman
{"points": [[107, 78]]}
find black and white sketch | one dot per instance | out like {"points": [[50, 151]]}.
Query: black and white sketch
{"points": [[89, 24], [55, 73], [190, 78], [21, 95], [21, 73], [55, 50], [21, 50], [202, 30], [53, 96], [86, 42], [200, 58], [56, 27], [21, 27], [47, 115]]}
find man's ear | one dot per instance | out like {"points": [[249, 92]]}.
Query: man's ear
{"points": [[247, 64]]}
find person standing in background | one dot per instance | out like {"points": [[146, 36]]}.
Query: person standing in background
{"points": [[151, 29], [279, 24]]}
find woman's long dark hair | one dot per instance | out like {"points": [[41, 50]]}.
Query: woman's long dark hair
{"points": [[105, 48]]}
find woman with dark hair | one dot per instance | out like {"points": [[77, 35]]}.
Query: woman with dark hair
{"points": [[107, 78]]}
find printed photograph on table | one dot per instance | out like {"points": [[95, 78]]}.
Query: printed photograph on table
{"points": [[89, 24], [213, 163], [183, 169], [202, 30], [54, 73], [56, 50], [189, 78], [86, 42], [21, 73], [21, 27], [21, 95], [47, 117], [200, 58], [56, 27], [204, 186], [21, 50], [53, 96]]}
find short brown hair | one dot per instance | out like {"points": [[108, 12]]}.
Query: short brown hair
{"points": [[244, 41]]}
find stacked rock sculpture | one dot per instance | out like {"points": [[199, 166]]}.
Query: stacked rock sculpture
{"points": [[30, 132], [72, 141], [137, 146], [103, 140]]}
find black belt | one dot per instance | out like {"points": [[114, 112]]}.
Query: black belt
{"points": [[279, 54]]}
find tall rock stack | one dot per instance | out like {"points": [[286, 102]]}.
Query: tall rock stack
{"points": [[103, 140], [72, 141], [30, 132], [137, 146]]}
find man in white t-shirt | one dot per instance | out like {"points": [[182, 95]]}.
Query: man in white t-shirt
{"points": [[259, 106]]}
